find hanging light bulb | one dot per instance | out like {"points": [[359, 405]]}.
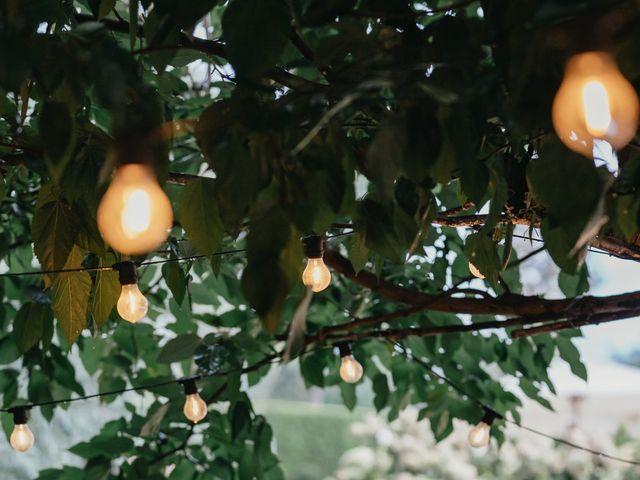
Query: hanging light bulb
{"points": [[350, 369], [134, 215], [132, 304], [479, 435], [195, 408], [595, 103], [475, 272], [316, 274], [21, 438]]}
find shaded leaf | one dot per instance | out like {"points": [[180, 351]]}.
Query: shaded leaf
{"points": [[70, 299]]}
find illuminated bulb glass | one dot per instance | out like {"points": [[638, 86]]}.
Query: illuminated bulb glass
{"points": [[475, 272], [195, 408], [135, 215], [22, 438], [594, 103], [316, 275], [479, 435], [132, 305], [350, 370]]}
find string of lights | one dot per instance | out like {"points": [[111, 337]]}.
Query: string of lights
{"points": [[195, 408], [479, 436]]}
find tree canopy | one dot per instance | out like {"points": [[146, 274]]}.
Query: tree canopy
{"points": [[386, 126]]}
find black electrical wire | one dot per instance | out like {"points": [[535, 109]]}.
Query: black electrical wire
{"points": [[430, 370], [150, 386], [109, 268]]}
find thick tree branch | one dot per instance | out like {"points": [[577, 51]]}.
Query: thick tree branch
{"points": [[510, 305]]}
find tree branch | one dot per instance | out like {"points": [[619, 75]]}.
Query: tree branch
{"points": [[507, 304], [210, 47]]}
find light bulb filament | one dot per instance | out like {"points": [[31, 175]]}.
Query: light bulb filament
{"points": [[136, 214], [597, 112]]}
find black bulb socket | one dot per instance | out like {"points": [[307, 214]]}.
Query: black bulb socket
{"points": [[127, 273], [313, 246], [19, 415], [189, 386]]}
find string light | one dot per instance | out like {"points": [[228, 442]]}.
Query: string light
{"points": [[132, 304], [134, 215], [475, 272], [195, 408], [350, 369], [22, 438], [479, 435], [316, 274], [595, 103]]}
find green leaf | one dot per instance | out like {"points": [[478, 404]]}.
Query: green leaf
{"points": [[179, 348], [133, 22], [102, 445], [176, 280], [574, 285], [571, 189], [152, 426], [240, 419], [358, 252], [70, 299], [481, 251], [30, 324], [373, 222], [570, 354], [245, 20], [57, 134], [381, 390], [53, 229], [200, 217], [384, 158], [348, 392], [105, 7], [106, 292]]}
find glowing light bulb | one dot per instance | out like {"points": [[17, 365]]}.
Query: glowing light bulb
{"points": [[595, 103], [22, 438], [479, 435], [350, 370], [475, 272], [132, 305], [316, 275], [134, 215], [195, 408]]}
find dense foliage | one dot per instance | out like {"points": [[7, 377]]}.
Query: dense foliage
{"points": [[269, 120]]}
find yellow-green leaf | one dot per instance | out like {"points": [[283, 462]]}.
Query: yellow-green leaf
{"points": [[70, 297], [105, 295]]}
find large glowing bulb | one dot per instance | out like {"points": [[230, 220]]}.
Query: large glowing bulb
{"points": [[479, 435], [132, 304], [350, 369], [195, 408], [475, 272], [316, 275], [594, 103], [134, 215], [22, 438]]}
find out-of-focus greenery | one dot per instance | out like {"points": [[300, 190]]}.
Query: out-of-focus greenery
{"points": [[311, 438]]}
